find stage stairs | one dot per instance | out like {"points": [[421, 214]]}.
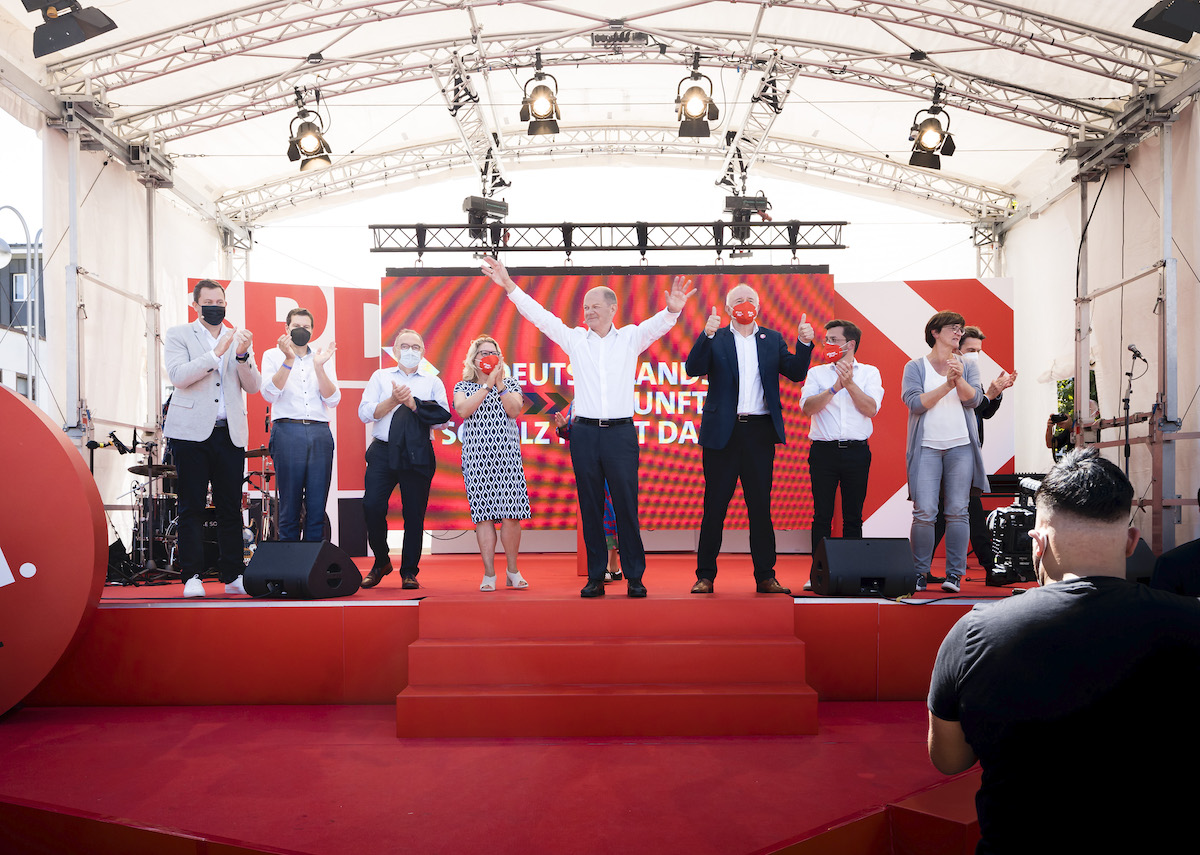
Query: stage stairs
{"points": [[511, 665]]}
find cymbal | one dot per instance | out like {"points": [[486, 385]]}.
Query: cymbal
{"points": [[258, 452], [154, 470]]}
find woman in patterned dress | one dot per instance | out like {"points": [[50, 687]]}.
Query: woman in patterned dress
{"points": [[489, 403]]}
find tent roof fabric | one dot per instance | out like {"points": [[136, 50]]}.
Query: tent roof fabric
{"points": [[821, 87]]}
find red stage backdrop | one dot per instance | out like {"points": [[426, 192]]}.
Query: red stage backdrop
{"points": [[451, 307]]}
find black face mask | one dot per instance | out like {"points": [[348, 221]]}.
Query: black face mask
{"points": [[300, 336], [212, 315]]}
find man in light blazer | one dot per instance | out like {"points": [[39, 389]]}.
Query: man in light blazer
{"points": [[211, 368], [740, 427]]}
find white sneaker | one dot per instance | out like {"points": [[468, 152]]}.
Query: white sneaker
{"points": [[236, 587], [194, 587], [951, 584]]}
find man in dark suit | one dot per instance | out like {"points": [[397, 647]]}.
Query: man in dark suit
{"points": [[402, 405], [741, 424]]}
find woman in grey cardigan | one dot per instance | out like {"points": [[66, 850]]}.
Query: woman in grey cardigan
{"points": [[943, 454]]}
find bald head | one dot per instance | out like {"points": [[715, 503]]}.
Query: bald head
{"points": [[739, 293], [599, 309]]}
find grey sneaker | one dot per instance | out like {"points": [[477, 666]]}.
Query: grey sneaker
{"points": [[920, 581], [950, 586]]}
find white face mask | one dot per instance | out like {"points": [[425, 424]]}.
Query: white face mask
{"points": [[971, 357], [410, 358]]}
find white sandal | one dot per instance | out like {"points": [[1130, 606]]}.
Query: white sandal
{"points": [[489, 583], [516, 580]]}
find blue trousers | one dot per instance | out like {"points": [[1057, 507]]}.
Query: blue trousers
{"points": [[303, 456]]}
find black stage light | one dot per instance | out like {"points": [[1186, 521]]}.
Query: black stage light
{"points": [[66, 24], [742, 207], [306, 140], [1174, 19], [695, 108], [479, 210], [928, 136], [539, 107]]}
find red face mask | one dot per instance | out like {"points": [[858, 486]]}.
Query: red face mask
{"points": [[831, 354], [487, 364], [744, 312]]}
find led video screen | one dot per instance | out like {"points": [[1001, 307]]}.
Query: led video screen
{"points": [[451, 307]]}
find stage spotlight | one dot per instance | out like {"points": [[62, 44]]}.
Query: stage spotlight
{"points": [[694, 108], [539, 107], [742, 207], [306, 140], [1175, 19], [66, 24], [479, 210], [929, 138]]}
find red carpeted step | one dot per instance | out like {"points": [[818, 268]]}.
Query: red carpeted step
{"points": [[939, 821], [493, 661], [682, 709], [678, 666], [613, 615]]}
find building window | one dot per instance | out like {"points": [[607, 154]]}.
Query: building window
{"points": [[20, 287], [23, 386]]}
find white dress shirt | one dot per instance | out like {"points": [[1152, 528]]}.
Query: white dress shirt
{"points": [[425, 386], [218, 361], [300, 397], [604, 368], [752, 400], [840, 419]]}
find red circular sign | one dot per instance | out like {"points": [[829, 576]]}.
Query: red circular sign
{"points": [[53, 546]]}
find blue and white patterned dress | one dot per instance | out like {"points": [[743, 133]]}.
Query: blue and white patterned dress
{"points": [[491, 458]]}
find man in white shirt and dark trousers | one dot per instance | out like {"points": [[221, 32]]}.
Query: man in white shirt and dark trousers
{"points": [[740, 427], [300, 387], [841, 399], [403, 405], [604, 443], [211, 368]]}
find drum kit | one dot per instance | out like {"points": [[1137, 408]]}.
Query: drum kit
{"points": [[156, 521]]}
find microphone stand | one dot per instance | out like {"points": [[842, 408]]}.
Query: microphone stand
{"points": [[1125, 403]]}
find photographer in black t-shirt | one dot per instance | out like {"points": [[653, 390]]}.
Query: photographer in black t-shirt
{"points": [[1071, 695]]}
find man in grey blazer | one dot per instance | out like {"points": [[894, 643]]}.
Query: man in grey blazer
{"points": [[211, 368]]}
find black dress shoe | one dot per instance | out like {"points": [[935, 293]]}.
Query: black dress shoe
{"points": [[703, 586], [772, 586], [410, 582], [375, 575], [635, 588], [934, 580], [594, 588]]}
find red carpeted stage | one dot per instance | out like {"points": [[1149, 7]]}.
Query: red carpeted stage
{"points": [[446, 719]]}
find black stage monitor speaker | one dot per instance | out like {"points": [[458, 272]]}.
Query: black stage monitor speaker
{"points": [[872, 567], [301, 571]]}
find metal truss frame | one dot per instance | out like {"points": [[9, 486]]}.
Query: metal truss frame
{"points": [[266, 24], [605, 237], [481, 140], [970, 201], [901, 75]]}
